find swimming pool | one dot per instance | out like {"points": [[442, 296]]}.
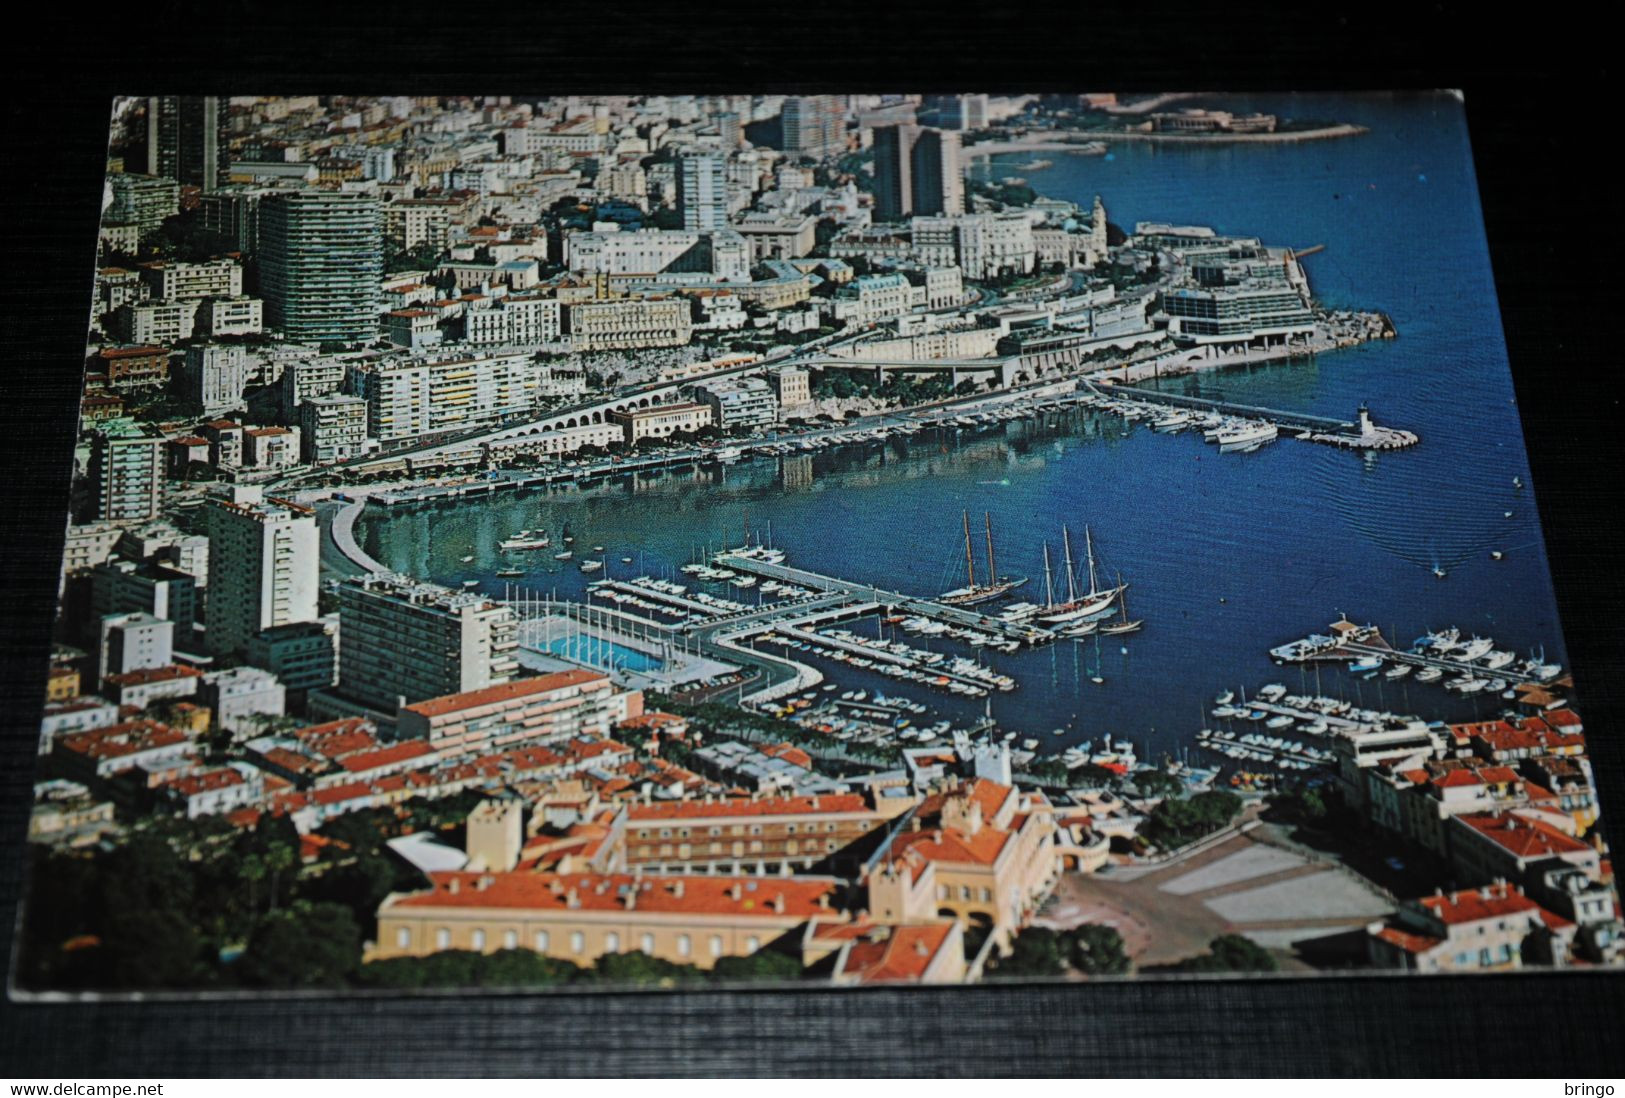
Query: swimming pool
{"points": [[595, 651]]}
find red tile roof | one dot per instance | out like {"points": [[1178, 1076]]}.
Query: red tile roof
{"points": [[1407, 940], [118, 740], [763, 806], [1477, 904], [385, 756], [146, 675], [508, 691], [1522, 837], [208, 780], [685, 895], [894, 954], [950, 845]]}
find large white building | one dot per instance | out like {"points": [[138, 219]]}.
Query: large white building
{"points": [[629, 325], [223, 316], [980, 245], [216, 374], [321, 255], [176, 281], [702, 192], [403, 641], [127, 471], [720, 252], [264, 566], [513, 319], [407, 398], [333, 427]]}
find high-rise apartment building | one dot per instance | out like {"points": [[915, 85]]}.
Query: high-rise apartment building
{"points": [[187, 139], [917, 172], [403, 641], [702, 192], [813, 125], [127, 470], [321, 257], [143, 201], [264, 566]]}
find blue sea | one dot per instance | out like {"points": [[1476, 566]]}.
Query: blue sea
{"points": [[1226, 555]]}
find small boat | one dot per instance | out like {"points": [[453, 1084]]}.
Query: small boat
{"points": [[1430, 674], [471, 583], [468, 560], [566, 555], [626, 560], [1496, 554], [1437, 571], [1369, 663], [591, 565], [1282, 721], [1226, 698], [1397, 671], [1517, 482], [508, 572]]}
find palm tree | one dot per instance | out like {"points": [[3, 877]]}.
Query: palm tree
{"points": [[278, 858], [252, 870]]}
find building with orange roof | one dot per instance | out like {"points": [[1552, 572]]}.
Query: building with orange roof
{"points": [[1494, 927], [1510, 845], [981, 852], [579, 917], [865, 952], [1568, 779], [222, 789], [544, 709], [101, 753], [145, 685], [768, 833]]}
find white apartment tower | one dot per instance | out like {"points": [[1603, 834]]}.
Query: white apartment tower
{"points": [[702, 192], [264, 566]]}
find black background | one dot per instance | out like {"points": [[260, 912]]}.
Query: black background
{"points": [[1543, 121]]}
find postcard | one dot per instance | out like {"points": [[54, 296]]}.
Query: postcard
{"points": [[665, 541]]}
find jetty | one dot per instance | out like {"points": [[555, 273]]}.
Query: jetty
{"points": [[1358, 434]]}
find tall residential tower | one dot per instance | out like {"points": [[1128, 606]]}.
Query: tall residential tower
{"points": [[321, 257]]}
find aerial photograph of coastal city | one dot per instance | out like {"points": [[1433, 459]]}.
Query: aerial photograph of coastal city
{"points": [[665, 541]]}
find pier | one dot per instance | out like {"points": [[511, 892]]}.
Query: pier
{"points": [[925, 608], [1354, 435], [1352, 642]]}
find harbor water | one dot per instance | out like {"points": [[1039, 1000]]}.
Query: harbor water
{"points": [[1226, 555]]}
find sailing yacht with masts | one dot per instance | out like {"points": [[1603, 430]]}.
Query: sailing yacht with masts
{"points": [[974, 593], [1122, 625], [1077, 606]]}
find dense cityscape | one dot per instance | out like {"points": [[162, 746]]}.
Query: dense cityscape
{"points": [[270, 759]]}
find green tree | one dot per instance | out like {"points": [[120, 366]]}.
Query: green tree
{"points": [[642, 970], [764, 964], [1036, 951], [1098, 950], [1231, 953], [461, 968], [1174, 823], [305, 946], [1156, 783]]}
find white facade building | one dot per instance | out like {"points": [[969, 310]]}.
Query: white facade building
{"points": [[264, 566]]}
